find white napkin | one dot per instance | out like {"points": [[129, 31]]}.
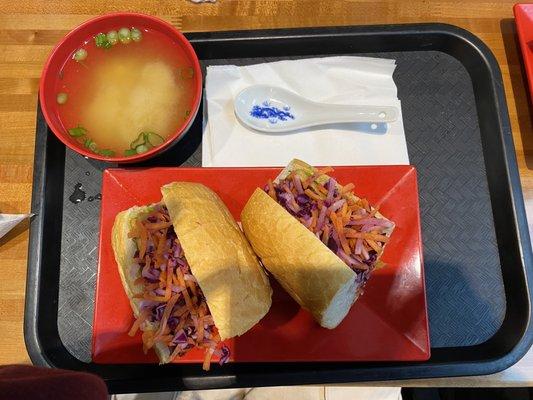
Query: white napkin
{"points": [[340, 80]]}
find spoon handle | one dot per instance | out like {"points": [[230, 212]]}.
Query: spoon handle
{"points": [[330, 113]]}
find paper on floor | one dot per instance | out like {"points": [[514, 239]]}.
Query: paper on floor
{"points": [[277, 393]]}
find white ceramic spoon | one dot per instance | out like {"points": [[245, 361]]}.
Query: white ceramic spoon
{"points": [[273, 109]]}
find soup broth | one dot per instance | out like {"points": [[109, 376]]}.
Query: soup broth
{"points": [[119, 95]]}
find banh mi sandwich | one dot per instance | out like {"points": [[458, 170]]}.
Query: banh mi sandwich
{"points": [[317, 238], [190, 275]]}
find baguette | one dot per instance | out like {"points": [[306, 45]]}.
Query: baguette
{"points": [[318, 279], [235, 287]]}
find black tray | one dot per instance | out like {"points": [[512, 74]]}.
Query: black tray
{"points": [[476, 242]]}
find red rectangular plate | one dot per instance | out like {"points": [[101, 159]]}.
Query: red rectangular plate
{"points": [[387, 323], [523, 14]]}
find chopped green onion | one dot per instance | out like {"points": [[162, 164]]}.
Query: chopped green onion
{"points": [[141, 139], [153, 138], [130, 152], [106, 152], [136, 35], [124, 35], [80, 55], [187, 113], [141, 149], [187, 72], [61, 98], [77, 132], [101, 41], [90, 144], [112, 37]]}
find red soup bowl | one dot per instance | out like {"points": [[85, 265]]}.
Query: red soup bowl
{"points": [[63, 53]]}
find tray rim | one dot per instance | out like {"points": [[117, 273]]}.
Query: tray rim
{"points": [[128, 379]]}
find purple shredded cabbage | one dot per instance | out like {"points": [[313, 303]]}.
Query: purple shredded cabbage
{"points": [[332, 244], [372, 257], [152, 275], [302, 199], [173, 322], [225, 353], [158, 311], [180, 338]]}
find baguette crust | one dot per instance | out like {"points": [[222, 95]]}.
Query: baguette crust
{"points": [[236, 288], [310, 272]]}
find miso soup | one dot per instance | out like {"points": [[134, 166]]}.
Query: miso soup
{"points": [[120, 98]]}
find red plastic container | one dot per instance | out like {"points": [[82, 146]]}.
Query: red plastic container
{"points": [[62, 53]]}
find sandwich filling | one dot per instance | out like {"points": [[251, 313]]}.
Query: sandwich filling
{"points": [[172, 300], [346, 224]]}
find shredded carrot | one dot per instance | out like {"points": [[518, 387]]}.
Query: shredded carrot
{"points": [[325, 235], [344, 210], [374, 245], [346, 218], [138, 281], [166, 315], [163, 277], [155, 226], [351, 233], [161, 247], [180, 311], [325, 170], [314, 219], [355, 207], [200, 330], [192, 286], [312, 178], [147, 338], [161, 299], [175, 280], [137, 324], [202, 310], [207, 359], [347, 188], [319, 188], [168, 289], [143, 238], [185, 292], [181, 324], [216, 336], [337, 225], [313, 195]]}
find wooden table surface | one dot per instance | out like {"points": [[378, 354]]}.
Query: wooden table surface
{"points": [[29, 29]]}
